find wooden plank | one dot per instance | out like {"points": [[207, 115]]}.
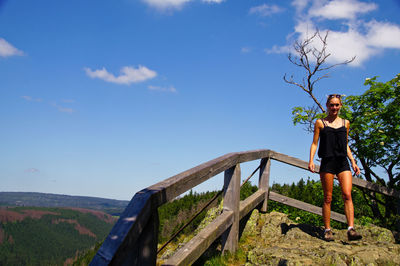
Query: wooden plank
{"points": [[176, 185], [251, 202], [292, 161], [192, 250], [356, 181], [304, 206], [376, 187], [230, 237], [180, 183], [146, 247], [127, 229], [263, 180], [247, 156]]}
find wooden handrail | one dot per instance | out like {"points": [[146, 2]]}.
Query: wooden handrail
{"points": [[176, 185], [133, 239]]}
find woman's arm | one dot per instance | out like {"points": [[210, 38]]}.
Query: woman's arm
{"points": [[314, 144], [356, 169]]}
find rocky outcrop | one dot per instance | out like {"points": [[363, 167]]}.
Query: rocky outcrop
{"points": [[273, 239]]}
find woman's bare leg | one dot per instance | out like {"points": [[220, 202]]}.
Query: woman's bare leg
{"points": [[327, 186], [345, 180]]}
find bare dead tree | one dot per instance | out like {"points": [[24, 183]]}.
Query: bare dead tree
{"points": [[313, 60]]}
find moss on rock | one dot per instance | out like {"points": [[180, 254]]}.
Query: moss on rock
{"points": [[273, 239]]}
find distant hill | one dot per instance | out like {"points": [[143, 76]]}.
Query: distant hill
{"points": [[49, 236], [110, 206]]}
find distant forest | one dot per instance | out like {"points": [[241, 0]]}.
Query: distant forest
{"points": [[49, 236], [110, 206]]}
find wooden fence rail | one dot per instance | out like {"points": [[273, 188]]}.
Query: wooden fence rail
{"points": [[133, 239]]}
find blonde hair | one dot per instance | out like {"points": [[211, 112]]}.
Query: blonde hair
{"points": [[334, 96]]}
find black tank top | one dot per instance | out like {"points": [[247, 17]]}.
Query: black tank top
{"points": [[332, 141]]}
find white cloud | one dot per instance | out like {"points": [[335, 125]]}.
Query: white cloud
{"points": [[341, 45], [265, 10], [62, 109], [383, 35], [65, 109], [213, 1], [169, 5], [344, 45], [6, 49], [31, 99], [128, 75], [166, 4], [278, 49], [305, 29], [68, 101], [340, 9], [360, 38], [300, 5], [245, 50], [164, 89]]}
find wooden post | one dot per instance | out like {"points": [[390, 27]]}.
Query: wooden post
{"points": [[148, 241], [230, 237], [263, 181], [144, 251]]}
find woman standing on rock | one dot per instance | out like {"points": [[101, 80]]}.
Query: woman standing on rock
{"points": [[332, 133]]}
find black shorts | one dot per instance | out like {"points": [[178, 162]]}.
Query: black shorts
{"points": [[334, 165]]}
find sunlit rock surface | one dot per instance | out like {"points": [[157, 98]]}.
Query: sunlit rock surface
{"points": [[273, 239]]}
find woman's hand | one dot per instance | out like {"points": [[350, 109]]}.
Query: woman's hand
{"points": [[311, 166], [356, 169]]}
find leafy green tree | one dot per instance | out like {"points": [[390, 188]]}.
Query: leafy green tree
{"points": [[374, 136], [246, 190], [375, 139]]}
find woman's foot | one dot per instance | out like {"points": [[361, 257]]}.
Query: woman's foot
{"points": [[328, 235], [353, 235]]}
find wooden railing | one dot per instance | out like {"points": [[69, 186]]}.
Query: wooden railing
{"points": [[133, 239]]}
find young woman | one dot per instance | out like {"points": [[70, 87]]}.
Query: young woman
{"points": [[332, 133]]}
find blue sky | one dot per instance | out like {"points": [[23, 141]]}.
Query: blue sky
{"points": [[104, 98]]}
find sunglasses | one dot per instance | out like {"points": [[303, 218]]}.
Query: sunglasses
{"points": [[334, 96]]}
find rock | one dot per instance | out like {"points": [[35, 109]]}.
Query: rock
{"points": [[251, 224], [379, 234], [284, 242], [210, 216], [368, 256], [273, 239], [338, 261], [296, 233]]}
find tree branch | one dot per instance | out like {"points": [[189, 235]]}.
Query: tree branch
{"points": [[306, 54], [380, 180]]}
